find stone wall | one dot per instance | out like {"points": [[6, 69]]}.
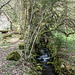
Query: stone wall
{"points": [[4, 22]]}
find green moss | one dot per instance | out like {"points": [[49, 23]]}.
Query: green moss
{"points": [[13, 56], [4, 31], [39, 68], [40, 73], [21, 46], [39, 64], [31, 73], [49, 63], [27, 52], [7, 35], [38, 52], [21, 38], [23, 51], [43, 45], [73, 72]]}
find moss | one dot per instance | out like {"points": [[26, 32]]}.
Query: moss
{"points": [[21, 38], [13, 56], [39, 64], [48, 63], [7, 35], [31, 73], [57, 67], [21, 46], [43, 45], [23, 51], [26, 52], [39, 68], [4, 31], [73, 72], [40, 73], [38, 52]]}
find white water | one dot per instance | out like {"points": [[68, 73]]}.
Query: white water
{"points": [[44, 59], [45, 55]]}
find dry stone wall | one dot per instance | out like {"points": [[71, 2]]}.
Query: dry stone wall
{"points": [[4, 22]]}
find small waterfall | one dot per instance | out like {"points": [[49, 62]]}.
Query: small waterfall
{"points": [[44, 58], [45, 55]]}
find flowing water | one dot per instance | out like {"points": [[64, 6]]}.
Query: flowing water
{"points": [[44, 58]]}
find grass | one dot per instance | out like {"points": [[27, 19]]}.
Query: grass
{"points": [[5, 45], [4, 42], [1, 35], [68, 46]]}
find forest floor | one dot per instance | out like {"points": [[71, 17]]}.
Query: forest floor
{"points": [[20, 67], [12, 67]]}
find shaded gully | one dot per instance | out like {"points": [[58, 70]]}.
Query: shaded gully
{"points": [[43, 59]]}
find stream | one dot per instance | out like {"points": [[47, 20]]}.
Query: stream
{"points": [[44, 58]]}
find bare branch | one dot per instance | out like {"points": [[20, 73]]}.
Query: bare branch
{"points": [[4, 4]]}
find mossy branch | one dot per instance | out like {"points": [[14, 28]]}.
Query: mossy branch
{"points": [[52, 29], [56, 28]]}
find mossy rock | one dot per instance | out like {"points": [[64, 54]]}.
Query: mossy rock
{"points": [[7, 35], [4, 31], [21, 46], [13, 56], [39, 68]]}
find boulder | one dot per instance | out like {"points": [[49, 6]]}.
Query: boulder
{"points": [[13, 56], [7, 35]]}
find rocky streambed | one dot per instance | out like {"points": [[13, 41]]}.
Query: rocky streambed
{"points": [[43, 59]]}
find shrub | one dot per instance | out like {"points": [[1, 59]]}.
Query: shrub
{"points": [[58, 42]]}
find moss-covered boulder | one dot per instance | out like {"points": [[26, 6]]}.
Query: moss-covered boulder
{"points": [[4, 31], [13, 56], [21, 46], [7, 35]]}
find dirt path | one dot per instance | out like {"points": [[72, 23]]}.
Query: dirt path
{"points": [[4, 52], [11, 69]]}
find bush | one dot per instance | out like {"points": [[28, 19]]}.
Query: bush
{"points": [[13, 56], [58, 42], [21, 46]]}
